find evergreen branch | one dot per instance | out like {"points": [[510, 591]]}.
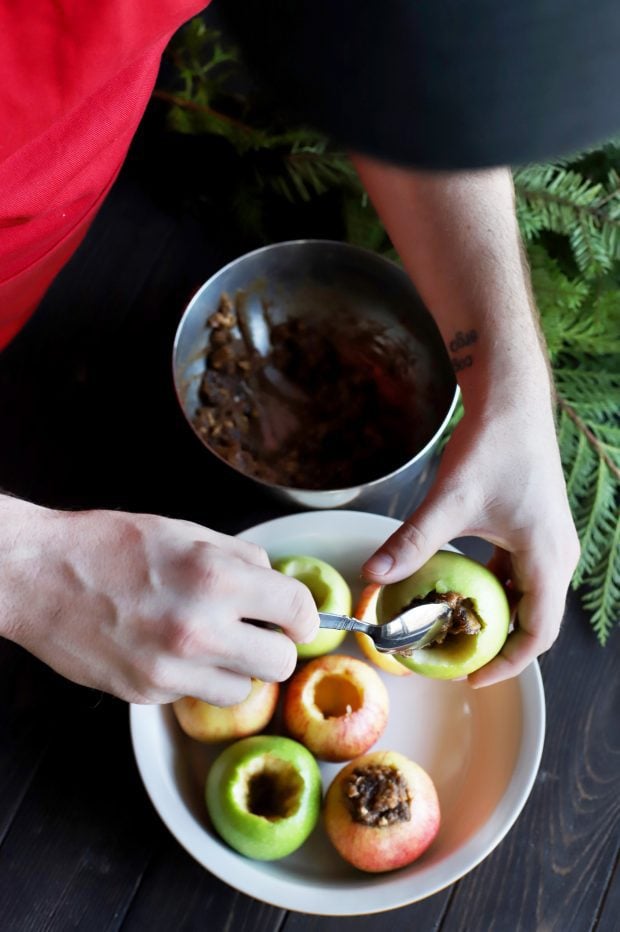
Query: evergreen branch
{"points": [[579, 465], [603, 593], [564, 189], [590, 436], [188, 104]]}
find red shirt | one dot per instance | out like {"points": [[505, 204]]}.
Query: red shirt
{"points": [[75, 79]]}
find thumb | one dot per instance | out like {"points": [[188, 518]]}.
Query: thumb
{"points": [[436, 522]]}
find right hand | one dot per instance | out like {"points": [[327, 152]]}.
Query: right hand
{"points": [[144, 607]]}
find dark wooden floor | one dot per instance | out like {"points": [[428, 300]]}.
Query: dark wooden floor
{"points": [[88, 419]]}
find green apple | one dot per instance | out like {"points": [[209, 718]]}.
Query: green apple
{"points": [[263, 795], [330, 592], [452, 573]]}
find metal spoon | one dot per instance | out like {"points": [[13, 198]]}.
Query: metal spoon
{"points": [[414, 628]]}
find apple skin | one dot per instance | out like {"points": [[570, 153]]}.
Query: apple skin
{"points": [[461, 654], [211, 723], [331, 593], [383, 848], [366, 610], [329, 684], [254, 835]]}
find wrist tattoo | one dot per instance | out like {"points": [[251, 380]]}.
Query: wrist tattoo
{"points": [[461, 341]]}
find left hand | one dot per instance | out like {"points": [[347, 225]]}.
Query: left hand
{"points": [[500, 479]]}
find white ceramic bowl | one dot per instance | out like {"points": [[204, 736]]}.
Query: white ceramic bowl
{"points": [[481, 747]]}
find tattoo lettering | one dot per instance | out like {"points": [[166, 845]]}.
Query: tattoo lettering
{"points": [[459, 342]]}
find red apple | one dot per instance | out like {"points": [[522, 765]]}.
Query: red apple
{"points": [[212, 723], [381, 811], [336, 706]]}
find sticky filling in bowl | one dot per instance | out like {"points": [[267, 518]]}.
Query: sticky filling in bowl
{"points": [[326, 405]]}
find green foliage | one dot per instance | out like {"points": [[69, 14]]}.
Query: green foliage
{"points": [[561, 200], [211, 97], [569, 215]]}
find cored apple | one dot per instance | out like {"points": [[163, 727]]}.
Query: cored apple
{"points": [[330, 592], [337, 706], [478, 624], [381, 811], [212, 723], [366, 610], [263, 796]]}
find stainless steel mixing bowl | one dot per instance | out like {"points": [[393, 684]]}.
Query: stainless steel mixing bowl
{"points": [[344, 282]]}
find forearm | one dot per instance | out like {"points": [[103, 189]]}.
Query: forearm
{"points": [[458, 238], [20, 557]]}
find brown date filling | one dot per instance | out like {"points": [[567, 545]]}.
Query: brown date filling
{"points": [[463, 618], [378, 795], [323, 408]]}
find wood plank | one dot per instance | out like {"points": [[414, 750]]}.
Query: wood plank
{"points": [[176, 893], [26, 725], [427, 915], [552, 870], [85, 831]]}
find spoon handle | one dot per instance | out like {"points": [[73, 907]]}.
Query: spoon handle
{"points": [[346, 623]]}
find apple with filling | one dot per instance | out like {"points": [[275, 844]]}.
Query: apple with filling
{"points": [[337, 706], [330, 592], [381, 811], [263, 796], [478, 623], [212, 723], [366, 610]]}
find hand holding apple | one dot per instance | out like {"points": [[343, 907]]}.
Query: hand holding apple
{"points": [[480, 618], [500, 478]]}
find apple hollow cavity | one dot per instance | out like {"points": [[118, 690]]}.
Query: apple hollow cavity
{"points": [[336, 696], [337, 706], [272, 789]]}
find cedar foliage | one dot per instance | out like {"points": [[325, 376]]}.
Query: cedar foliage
{"points": [[569, 215]]}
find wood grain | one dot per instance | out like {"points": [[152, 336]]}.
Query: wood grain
{"points": [[427, 915], [84, 833], [178, 893]]}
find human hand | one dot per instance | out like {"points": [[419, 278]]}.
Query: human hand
{"points": [[144, 607], [500, 478]]}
